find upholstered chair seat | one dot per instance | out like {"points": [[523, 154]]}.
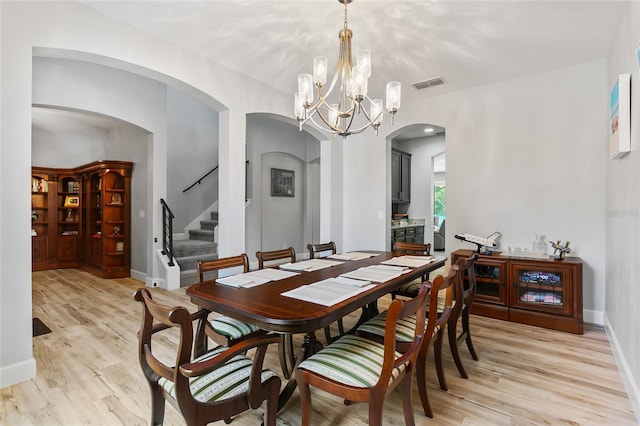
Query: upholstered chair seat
{"points": [[227, 381], [231, 328], [352, 361]]}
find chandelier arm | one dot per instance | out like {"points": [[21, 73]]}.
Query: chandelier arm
{"points": [[324, 129]]}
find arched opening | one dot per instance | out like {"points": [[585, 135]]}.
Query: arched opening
{"points": [[413, 176]]}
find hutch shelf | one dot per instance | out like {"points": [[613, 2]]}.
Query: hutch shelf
{"points": [[536, 291], [81, 218]]}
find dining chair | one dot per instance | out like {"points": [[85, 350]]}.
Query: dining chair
{"points": [[215, 386], [318, 251], [321, 250], [359, 369], [441, 302], [286, 351], [410, 289], [222, 329], [467, 278]]}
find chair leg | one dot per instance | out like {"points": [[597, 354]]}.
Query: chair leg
{"points": [[327, 335], [271, 409], [465, 329], [305, 398], [437, 356], [421, 378], [407, 400], [157, 406], [453, 345], [375, 414]]}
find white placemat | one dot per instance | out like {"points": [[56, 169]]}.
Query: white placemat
{"points": [[326, 292]]}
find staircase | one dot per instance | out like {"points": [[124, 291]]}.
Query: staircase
{"points": [[200, 245]]}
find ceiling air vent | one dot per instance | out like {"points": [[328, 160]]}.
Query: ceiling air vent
{"points": [[436, 81]]}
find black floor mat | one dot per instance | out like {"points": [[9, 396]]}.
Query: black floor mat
{"points": [[39, 328]]}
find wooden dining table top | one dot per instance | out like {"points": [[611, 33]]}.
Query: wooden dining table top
{"points": [[265, 306]]}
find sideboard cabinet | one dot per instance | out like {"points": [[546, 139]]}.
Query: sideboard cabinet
{"points": [[81, 218], [536, 291]]}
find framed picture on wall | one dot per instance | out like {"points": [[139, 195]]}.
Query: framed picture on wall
{"points": [[282, 183], [620, 117]]}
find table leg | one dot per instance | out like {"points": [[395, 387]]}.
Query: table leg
{"points": [[309, 347]]}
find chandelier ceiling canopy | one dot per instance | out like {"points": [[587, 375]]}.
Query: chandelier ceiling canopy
{"points": [[335, 113]]}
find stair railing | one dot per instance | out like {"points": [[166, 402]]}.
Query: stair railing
{"points": [[199, 181], [167, 231]]}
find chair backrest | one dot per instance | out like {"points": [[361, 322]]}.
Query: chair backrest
{"points": [[398, 310], [468, 277], [442, 229], [444, 291], [240, 261], [320, 250], [409, 248], [273, 255]]}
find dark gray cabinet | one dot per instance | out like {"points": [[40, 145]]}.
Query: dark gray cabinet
{"points": [[400, 176], [407, 234]]}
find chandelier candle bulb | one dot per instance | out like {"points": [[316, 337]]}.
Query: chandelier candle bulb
{"points": [[364, 60], [333, 115], [305, 89], [320, 71], [298, 108], [393, 96], [376, 112]]}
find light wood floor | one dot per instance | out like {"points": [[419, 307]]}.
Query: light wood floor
{"points": [[88, 370]]}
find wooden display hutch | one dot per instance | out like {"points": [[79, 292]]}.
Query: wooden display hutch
{"points": [[81, 218], [536, 291]]}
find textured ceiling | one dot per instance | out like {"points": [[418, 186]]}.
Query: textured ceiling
{"points": [[468, 43]]}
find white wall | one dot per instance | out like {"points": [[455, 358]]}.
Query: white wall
{"points": [[71, 30], [64, 149], [192, 152], [622, 248], [275, 222], [524, 156]]}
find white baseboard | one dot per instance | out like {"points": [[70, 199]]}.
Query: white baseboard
{"points": [[18, 372], [138, 276], [625, 372]]}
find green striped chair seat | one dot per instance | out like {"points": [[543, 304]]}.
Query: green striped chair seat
{"points": [[412, 288], [351, 360], [232, 328], [229, 380], [404, 328]]}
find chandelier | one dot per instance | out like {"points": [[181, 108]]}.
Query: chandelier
{"points": [[336, 114]]}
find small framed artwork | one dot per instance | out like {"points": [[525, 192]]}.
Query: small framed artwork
{"points": [[282, 183], [120, 246], [638, 54], [71, 201], [620, 117]]}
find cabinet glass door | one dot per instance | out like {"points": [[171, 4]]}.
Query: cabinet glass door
{"points": [[542, 288], [490, 282]]}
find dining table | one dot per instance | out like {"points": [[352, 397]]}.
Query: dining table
{"points": [[269, 307]]}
